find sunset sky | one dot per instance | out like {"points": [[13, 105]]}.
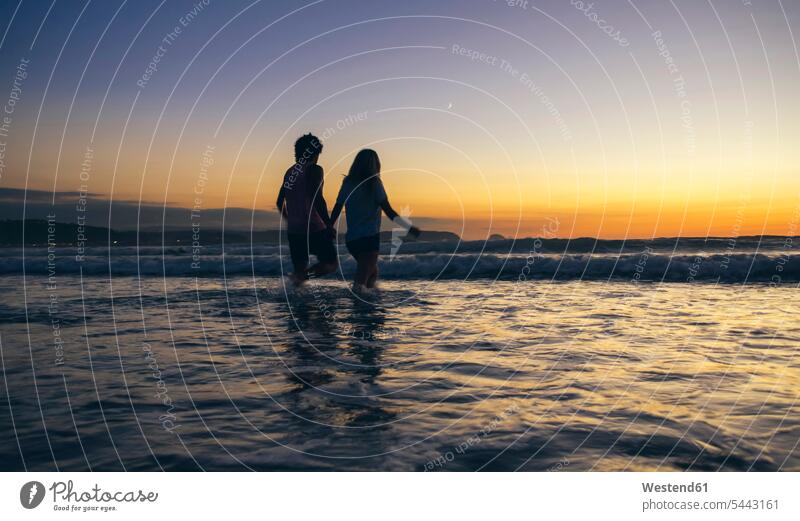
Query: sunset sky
{"points": [[617, 119]]}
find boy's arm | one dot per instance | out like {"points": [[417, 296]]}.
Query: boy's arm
{"points": [[339, 205], [279, 202], [337, 210], [319, 199]]}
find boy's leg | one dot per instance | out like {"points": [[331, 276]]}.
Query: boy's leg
{"points": [[298, 249], [322, 268], [299, 275], [322, 246]]}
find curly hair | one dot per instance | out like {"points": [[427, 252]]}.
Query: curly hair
{"points": [[306, 147]]}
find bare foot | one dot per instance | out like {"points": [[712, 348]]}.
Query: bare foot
{"points": [[297, 280]]}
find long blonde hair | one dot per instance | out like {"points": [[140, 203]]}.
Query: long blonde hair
{"points": [[366, 167]]}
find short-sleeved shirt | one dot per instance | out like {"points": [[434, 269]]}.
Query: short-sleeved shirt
{"points": [[301, 184], [362, 202]]}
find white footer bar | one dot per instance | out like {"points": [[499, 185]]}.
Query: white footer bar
{"points": [[382, 496]]}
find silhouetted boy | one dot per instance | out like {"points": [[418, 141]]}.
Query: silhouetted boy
{"points": [[301, 202]]}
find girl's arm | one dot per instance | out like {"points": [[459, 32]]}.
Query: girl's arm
{"points": [[398, 219], [388, 210], [315, 192]]}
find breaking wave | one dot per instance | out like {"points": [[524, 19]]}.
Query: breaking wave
{"points": [[503, 260]]}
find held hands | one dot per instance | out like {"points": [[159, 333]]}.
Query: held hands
{"points": [[330, 231]]}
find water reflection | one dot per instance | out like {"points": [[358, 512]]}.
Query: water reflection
{"points": [[669, 377], [335, 347]]}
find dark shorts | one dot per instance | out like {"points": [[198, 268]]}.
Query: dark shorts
{"points": [[317, 243], [368, 244]]}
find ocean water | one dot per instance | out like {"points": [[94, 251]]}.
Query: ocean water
{"points": [[594, 360], [741, 260]]}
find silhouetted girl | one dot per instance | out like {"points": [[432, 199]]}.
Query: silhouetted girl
{"points": [[363, 197]]}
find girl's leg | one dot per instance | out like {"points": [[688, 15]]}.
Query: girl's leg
{"points": [[373, 276], [362, 269]]}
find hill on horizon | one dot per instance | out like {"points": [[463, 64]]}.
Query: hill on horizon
{"points": [[66, 234]]}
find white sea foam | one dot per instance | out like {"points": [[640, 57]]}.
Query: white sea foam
{"points": [[266, 261]]}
